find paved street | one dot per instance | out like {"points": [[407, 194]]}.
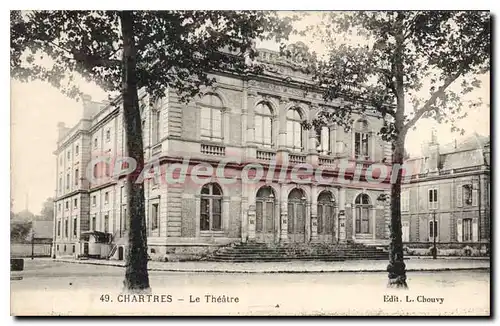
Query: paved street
{"points": [[300, 266], [76, 289]]}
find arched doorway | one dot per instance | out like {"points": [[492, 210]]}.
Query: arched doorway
{"points": [[296, 215], [265, 208], [327, 229], [363, 207]]}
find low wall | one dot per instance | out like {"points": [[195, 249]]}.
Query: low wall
{"points": [[458, 249], [24, 249]]}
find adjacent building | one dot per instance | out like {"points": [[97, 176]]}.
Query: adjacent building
{"points": [[446, 196], [242, 120]]}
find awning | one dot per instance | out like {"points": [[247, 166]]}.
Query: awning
{"points": [[99, 236]]}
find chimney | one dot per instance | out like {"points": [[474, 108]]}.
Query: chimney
{"points": [[62, 130], [433, 153], [90, 108]]}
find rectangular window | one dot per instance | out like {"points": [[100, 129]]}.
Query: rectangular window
{"points": [[405, 200], [154, 216], [74, 226], [75, 203], [433, 199], [205, 214], [67, 181], [60, 184], [69, 155], [205, 122], [433, 229], [58, 228], [67, 204], [468, 196], [106, 223], [95, 142], [258, 129], [361, 145], [77, 150], [467, 229], [93, 224], [216, 123], [106, 197], [66, 227], [77, 176], [108, 135], [59, 207], [94, 200]]}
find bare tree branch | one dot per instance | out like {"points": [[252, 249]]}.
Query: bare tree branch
{"points": [[428, 106]]}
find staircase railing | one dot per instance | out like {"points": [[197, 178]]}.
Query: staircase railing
{"points": [[115, 246]]}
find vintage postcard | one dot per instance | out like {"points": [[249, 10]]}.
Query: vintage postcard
{"points": [[250, 163]]}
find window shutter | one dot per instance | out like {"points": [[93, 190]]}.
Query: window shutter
{"points": [[459, 196], [459, 230], [474, 230], [474, 197]]}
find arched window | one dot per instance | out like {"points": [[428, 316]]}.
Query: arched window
{"points": [[323, 140], [263, 125], [211, 117], [362, 206], [294, 129], [325, 212], [264, 208], [211, 208], [361, 140]]}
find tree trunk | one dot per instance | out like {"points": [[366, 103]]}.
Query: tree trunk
{"points": [[136, 273], [397, 267]]}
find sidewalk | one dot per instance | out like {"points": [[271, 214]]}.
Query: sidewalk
{"points": [[299, 266]]}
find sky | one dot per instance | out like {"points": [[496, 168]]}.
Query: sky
{"points": [[37, 107]]}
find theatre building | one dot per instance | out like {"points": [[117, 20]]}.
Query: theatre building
{"points": [[447, 198], [241, 120]]}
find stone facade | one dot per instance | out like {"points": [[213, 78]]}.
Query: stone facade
{"points": [[450, 184], [224, 124]]}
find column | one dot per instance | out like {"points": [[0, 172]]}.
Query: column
{"points": [[250, 145], [341, 216], [251, 223], [307, 234], [283, 215], [314, 213], [312, 155], [372, 145], [333, 139], [244, 113], [225, 214], [251, 213], [197, 200], [282, 153], [374, 219], [244, 221]]}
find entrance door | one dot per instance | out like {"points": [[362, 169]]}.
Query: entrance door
{"points": [[265, 226], [296, 216], [327, 228], [120, 253], [363, 212]]}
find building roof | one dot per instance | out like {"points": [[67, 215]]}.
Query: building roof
{"points": [[463, 153]]}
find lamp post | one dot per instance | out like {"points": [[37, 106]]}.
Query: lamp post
{"points": [[476, 185], [434, 229]]}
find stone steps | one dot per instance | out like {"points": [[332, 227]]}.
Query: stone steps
{"points": [[251, 252]]}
